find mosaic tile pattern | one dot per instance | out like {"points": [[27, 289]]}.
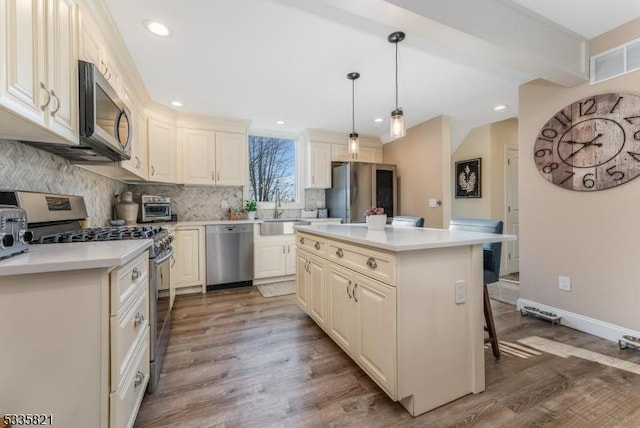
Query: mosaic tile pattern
{"points": [[23, 167]]}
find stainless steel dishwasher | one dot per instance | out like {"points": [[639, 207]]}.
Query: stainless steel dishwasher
{"points": [[229, 252]]}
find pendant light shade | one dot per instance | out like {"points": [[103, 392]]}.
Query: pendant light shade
{"points": [[396, 124], [354, 143]]}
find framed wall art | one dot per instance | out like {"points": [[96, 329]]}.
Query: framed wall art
{"points": [[468, 178]]}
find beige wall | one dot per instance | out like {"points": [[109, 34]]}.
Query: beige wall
{"points": [[488, 142], [592, 237], [423, 162]]}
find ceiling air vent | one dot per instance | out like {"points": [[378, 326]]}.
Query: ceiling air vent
{"points": [[615, 62]]}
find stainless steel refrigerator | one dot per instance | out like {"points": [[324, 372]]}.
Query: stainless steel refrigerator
{"points": [[358, 186]]}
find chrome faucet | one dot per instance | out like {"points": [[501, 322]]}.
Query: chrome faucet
{"points": [[277, 205]]}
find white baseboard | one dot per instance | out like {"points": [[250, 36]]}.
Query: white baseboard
{"points": [[273, 279], [580, 322]]}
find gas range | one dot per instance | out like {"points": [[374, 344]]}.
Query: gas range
{"points": [[161, 237]]}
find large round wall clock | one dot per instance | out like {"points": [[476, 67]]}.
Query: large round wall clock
{"points": [[591, 144]]}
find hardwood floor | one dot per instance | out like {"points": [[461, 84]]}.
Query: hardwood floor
{"points": [[237, 359]]}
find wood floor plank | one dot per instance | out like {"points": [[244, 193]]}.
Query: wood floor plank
{"points": [[237, 359]]}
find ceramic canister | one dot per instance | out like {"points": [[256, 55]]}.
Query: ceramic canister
{"points": [[126, 209]]}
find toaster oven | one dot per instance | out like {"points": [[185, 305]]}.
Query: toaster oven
{"points": [[153, 208]]}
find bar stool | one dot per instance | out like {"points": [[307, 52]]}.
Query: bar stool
{"points": [[491, 262], [407, 221]]}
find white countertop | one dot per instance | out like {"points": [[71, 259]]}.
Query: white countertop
{"points": [[208, 222], [403, 239], [73, 256]]}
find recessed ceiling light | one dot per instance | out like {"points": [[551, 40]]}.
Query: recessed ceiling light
{"points": [[176, 103], [378, 120], [280, 122], [157, 28], [500, 107]]}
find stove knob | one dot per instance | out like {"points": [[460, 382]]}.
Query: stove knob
{"points": [[170, 239], [6, 240], [26, 236]]}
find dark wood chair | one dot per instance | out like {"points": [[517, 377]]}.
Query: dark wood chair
{"points": [[492, 254], [407, 221]]}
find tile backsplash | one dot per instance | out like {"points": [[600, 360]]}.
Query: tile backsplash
{"points": [[23, 167]]}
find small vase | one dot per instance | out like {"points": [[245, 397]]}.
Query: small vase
{"points": [[376, 222], [251, 215]]}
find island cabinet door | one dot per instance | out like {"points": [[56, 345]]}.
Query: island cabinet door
{"points": [[302, 281], [318, 290], [341, 307], [375, 331]]}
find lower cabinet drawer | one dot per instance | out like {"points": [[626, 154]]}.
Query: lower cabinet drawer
{"points": [[125, 402], [375, 264], [125, 280], [127, 329], [311, 243]]}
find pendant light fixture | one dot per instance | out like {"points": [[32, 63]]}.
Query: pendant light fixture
{"points": [[396, 124], [354, 143]]}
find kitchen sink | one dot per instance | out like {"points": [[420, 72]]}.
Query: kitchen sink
{"points": [[280, 226]]}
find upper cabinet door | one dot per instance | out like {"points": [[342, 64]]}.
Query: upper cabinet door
{"points": [[319, 163], [162, 151], [231, 159], [24, 88], [62, 66], [198, 154]]}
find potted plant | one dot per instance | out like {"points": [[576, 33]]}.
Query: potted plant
{"points": [[251, 207], [376, 218]]}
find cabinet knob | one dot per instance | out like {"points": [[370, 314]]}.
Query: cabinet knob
{"points": [[301, 240], [135, 274], [339, 252], [138, 380], [138, 319], [371, 262], [317, 245]]}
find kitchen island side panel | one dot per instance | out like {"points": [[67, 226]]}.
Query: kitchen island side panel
{"points": [[440, 342], [55, 346]]}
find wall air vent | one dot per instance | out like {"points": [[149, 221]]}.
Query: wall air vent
{"points": [[615, 62]]}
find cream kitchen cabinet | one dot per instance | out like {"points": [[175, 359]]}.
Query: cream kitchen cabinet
{"points": [[213, 158], [82, 344], [319, 166], [188, 270], [40, 78], [311, 286], [340, 153], [93, 50], [274, 256], [161, 137]]}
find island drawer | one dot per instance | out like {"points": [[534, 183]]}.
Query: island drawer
{"points": [[127, 330], [375, 264], [125, 280], [311, 243]]}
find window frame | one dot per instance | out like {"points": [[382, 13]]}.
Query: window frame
{"points": [[299, 174]]}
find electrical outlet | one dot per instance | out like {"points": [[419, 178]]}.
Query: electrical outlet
{"points": [[224, 205], [461, 292], [564, 283], [433, 203]]}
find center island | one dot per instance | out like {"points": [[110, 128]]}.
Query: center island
{"points": [[404, 303]]}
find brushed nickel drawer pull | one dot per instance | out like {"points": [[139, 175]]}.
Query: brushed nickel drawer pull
{"points": [[138, 380], [317, 245], [302, 241], [153, 170], [339, 252], [349, 294], [371, 262], [46, 91], [55, 110], [354, 292], [135, 274], [138, 319]]}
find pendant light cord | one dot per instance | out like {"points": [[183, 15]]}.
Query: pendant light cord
{"points": [[396, 43], [353, 106]]}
